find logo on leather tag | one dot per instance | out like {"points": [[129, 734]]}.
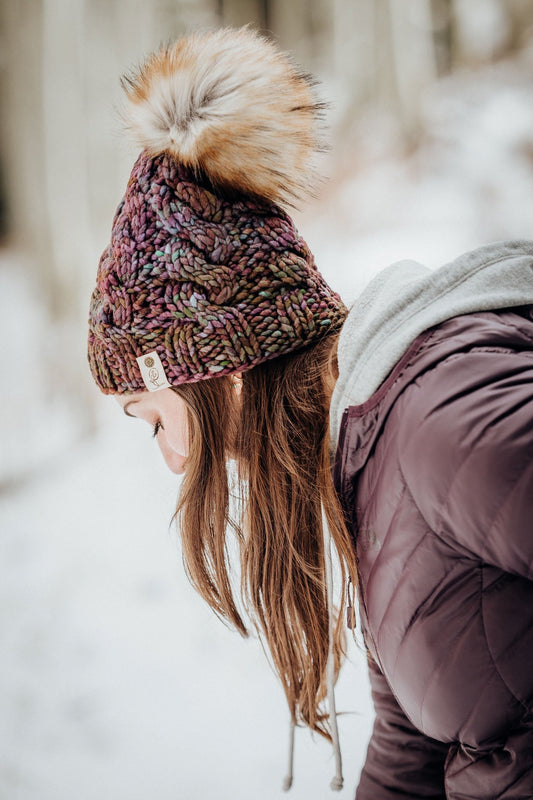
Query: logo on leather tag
{"points": [[152, 372]]}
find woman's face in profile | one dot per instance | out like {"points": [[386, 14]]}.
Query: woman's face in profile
{"points": [[166, 412]]}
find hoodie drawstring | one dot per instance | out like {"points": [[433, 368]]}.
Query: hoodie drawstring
{"points": [[287, 781], [337, 781]]}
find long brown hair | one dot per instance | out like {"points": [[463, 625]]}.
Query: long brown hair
{"points": [[278, 433]]}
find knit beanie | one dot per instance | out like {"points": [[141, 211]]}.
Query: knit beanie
{"points": [[206, 274]]}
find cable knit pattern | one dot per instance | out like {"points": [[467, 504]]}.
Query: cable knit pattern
{"points": [[213, 284]]}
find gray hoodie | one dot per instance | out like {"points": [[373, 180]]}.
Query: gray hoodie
{"points": [[406, 298]]}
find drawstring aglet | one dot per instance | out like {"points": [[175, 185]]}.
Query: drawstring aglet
{"points": [[287, 783], [287, 780], [336, 783]]}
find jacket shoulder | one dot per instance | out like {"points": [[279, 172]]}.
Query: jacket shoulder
{"points": [[466, 450]]}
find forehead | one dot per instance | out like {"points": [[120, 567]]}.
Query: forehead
{"points": [[163, 401], [124, 399]]}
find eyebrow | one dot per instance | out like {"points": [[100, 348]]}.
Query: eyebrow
{"points": [[125, 408]]}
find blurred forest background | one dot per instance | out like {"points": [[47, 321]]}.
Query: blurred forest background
{"points": [[115, 681], [64, 165]]}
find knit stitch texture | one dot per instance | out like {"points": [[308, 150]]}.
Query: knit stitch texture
{"points": [[213, 284]]}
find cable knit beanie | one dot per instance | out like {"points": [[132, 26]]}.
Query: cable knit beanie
{"points": [[206, 273]]}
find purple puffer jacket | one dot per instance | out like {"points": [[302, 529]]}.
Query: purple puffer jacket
{"points": [[435, 473]]}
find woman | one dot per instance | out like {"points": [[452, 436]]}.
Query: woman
{"points": [[210, 322]]}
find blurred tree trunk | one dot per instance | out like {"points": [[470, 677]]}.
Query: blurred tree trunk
{"points": [[482, 31], [305, 28], [442, 17], [355, 51], [241, 12], [413, 57], [520, 21], [65, 143], [21, 131], [386, 56]]}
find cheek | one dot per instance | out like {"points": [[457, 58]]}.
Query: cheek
{"points": [[174, 447], [175, 461], [176, 437], [179, 441]]}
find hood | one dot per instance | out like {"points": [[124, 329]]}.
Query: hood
{"points": [[407, 298], [361, 425]]}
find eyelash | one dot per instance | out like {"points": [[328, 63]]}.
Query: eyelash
{"points": [[157, 428]]}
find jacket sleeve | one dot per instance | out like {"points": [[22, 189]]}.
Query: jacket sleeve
{"points": [[400, 761], [504, 770], [466, 453]]}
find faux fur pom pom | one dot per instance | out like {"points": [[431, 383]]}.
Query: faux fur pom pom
{"points": [[230, 105]]}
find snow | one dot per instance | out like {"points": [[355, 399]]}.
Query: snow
{"points": [[118, 682]]}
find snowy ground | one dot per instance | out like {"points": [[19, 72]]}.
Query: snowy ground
{"points": [[117, 682]]}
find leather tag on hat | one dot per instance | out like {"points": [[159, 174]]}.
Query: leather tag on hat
{"points": [[152, 372]]}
